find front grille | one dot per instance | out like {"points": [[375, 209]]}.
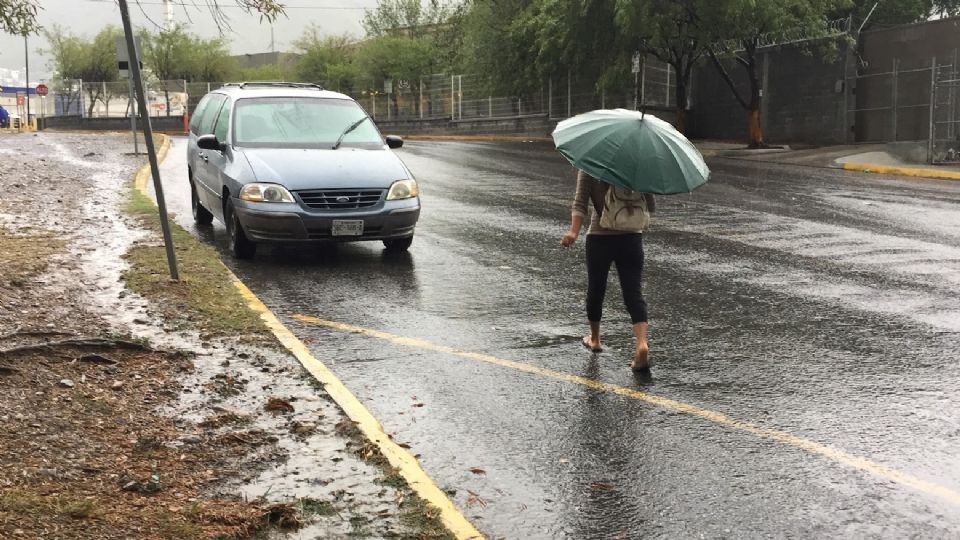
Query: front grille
{"points": [[341, 199]]}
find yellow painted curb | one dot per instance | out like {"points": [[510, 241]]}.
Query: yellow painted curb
{"points": [[915, 172], [406, 465], [144, 174]]}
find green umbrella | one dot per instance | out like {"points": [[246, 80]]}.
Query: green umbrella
{"points": [[633, 150]]}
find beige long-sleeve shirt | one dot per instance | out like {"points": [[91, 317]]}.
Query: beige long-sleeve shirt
{"points": [[590, 194]]}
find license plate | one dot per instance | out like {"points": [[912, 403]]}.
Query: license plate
{"points": [[343, 227]]}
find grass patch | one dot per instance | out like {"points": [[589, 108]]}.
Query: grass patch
{"points": [[314, 507], [25, 503], [424, 518], [204, 298], [23, 257]]}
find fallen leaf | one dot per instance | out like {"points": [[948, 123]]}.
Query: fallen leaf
{"points": [[475, 470], [404, 446], [278, 405], [600, 486]]}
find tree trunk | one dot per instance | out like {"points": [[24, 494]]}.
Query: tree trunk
{"points": [[756, 134], [166, 95], [680, 96]]}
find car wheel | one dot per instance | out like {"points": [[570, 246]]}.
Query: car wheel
{"points": [[240, 245], [201, 215], [398, 245]]}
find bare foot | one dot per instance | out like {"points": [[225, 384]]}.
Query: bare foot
{"points": [[641, 360], [589, 343]]}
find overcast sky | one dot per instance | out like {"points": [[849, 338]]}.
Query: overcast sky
{"points": [[247, 35]]}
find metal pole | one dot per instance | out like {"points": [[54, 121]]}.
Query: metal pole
{"points": [[460, 97], [933, 102], [893, 106], [603, 99], [26, 59], [550, 98], [643, 80], [846, 94], [421, 99], [103, 93], [453, 98], [569, 96], [951, 127], [668, 85], [489, 106], [373, 97], [148, 134], [133, 117]]}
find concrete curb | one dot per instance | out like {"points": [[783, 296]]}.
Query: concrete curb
{"points": [[405, 463], [916, 172]]}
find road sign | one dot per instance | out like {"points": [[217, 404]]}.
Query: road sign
{"points": [[388, 86], [123, 56], [636, 63], [21, 99], [42, 90]]}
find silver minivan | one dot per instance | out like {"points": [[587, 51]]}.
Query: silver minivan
{"points": [[291, 162]]}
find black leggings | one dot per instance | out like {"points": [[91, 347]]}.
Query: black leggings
{"points": [[626, 250]]}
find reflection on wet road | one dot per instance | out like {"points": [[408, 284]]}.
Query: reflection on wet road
{"points": [[817, 303]]}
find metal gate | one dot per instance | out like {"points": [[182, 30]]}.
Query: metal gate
{"points": [[944, 141]]}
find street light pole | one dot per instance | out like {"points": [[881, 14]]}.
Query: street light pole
{"points": [[134, 67]]}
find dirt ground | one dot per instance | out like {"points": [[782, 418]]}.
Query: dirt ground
{"points": [[117, 421]]}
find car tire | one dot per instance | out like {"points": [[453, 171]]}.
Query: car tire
{"points": [[398, 245], [201, 216], [240, 246]]}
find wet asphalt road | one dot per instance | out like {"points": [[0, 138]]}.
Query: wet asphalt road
{"points": [[823, 304]]}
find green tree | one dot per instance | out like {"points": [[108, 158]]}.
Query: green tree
{"points": [[671, 31], [18, 16], [746, 26], [173, 53], [327, 60], [405, 17], [498, 41], [93, 60]]}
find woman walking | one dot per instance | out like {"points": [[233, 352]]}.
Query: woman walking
{"points": [[615, 236]]}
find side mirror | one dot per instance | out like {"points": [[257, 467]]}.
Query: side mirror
{"points": [[209, 142], [394, 142]]}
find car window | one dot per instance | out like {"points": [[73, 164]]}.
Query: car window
{"points": [[198, 113], [302, 122], [210, 113], [223, 119]]}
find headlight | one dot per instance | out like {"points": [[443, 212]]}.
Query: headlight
{"points": [[403, 189], [265, 193]]}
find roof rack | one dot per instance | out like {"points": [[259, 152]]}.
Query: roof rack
{"points": [[253, 84]]}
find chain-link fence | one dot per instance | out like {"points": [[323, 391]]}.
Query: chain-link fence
{"points": [[459, 97]]}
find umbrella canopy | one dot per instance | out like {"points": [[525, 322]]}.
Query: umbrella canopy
{"points": [[636, 151]]}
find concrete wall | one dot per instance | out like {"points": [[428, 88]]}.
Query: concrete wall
{"points": [[803, 99], [172, 124]]}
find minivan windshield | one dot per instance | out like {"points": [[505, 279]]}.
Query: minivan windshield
{"points": [[301, 122]]}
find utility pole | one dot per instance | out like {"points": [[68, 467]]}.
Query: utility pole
{"points": [[168, 5], [134, 67]]}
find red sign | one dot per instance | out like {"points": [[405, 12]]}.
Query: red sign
{"points": [[21, 100], [42, 90]]}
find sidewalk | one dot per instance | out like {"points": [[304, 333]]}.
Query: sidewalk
{"points": [[868, 158]]}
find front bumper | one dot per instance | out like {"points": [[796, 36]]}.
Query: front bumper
{"points": [[282, 222]]}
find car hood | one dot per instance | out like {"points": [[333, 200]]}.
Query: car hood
{"points": [[324, 168]]}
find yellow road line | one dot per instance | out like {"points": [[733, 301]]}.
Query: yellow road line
{"points": [[406, 465], [833, 454], [917, 172]]}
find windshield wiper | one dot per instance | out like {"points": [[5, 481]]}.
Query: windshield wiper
{"points": [[352, 127]]}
